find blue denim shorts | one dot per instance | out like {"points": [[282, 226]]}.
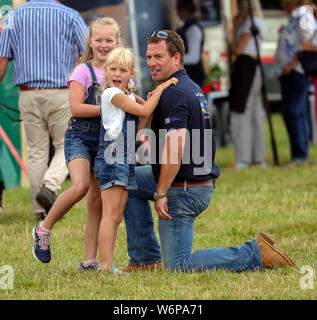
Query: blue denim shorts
{"points": [[112, 173], [82, 139]]}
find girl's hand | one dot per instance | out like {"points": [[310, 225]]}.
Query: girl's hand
{"points": [[167, 83], [149, 95]]}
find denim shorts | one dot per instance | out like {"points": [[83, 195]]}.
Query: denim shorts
{"points": [[112, 173], [82, 139]]}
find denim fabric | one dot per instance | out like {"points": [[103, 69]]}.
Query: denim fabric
{"points": [[176, 235], [81, 139], [115, 161], [82, 134], [295, 90]]}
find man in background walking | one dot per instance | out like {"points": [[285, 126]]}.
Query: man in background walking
{"points": [[43, 38]]}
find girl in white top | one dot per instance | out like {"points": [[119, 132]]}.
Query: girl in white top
{"points": [[114, 167]]}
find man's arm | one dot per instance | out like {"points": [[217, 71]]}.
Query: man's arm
{"points": [[3, 67], [171, 161]]}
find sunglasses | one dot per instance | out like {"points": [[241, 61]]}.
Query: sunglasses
{"points": [[164, 35]]}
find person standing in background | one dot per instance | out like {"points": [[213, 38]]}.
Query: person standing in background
{"points": [[43, 38], [294, 84], [311, 45], [192, 34], [246, 104]]}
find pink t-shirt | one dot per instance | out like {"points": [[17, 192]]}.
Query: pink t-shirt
{"points": [[82, 75]]}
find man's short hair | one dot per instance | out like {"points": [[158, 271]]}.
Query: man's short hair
{"points": [[174, 42]]}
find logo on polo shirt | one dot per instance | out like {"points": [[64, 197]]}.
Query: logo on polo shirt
{"points": [[203, 106], [170, 120]]}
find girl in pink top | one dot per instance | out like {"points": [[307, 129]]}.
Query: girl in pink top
{"points": [[81, 144]]}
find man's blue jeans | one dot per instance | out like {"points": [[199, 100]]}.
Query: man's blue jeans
{"points": [[176, 235]]}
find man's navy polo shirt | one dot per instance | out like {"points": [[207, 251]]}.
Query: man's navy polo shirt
{"points": [[185, 106]]}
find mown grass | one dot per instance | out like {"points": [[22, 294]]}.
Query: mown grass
{"points": [[278, 200]]}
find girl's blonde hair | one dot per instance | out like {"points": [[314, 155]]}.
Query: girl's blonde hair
{"points": [[104, 21], [125, 58]]}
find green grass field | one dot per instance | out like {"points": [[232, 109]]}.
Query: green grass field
{"points": [[281, 201]]}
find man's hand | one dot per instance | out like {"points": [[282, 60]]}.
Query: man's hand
{"points": [[161, 208]]}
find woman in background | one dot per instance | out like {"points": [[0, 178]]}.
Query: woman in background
{"points": [[246, 103]]}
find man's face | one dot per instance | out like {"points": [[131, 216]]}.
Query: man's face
{"points": [[160, 63]]}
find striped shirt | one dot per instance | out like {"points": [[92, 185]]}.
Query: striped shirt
{"points": [[43, 38]]}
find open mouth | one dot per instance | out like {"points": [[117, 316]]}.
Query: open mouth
{"points": [[117, 83], [103, 52], [155, 71]]}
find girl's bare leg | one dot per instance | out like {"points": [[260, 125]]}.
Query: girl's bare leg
{"points": [[79, 171], [113, 202], [94, 212]]}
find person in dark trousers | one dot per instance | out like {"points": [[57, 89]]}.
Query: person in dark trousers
{"points": [[300, 28], [181, 179], [192, 34]]}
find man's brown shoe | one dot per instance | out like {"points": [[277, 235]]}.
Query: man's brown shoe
{"points": [[272, 257], [147, 267]]}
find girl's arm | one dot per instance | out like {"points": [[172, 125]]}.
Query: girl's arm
{"points": [[77, 106], [126, 104], [143, 123]]}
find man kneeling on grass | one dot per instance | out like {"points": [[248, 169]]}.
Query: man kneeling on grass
{"points": [[181, 179]]}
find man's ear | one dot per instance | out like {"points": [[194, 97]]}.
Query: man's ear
{"points": [[177, 58]]}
